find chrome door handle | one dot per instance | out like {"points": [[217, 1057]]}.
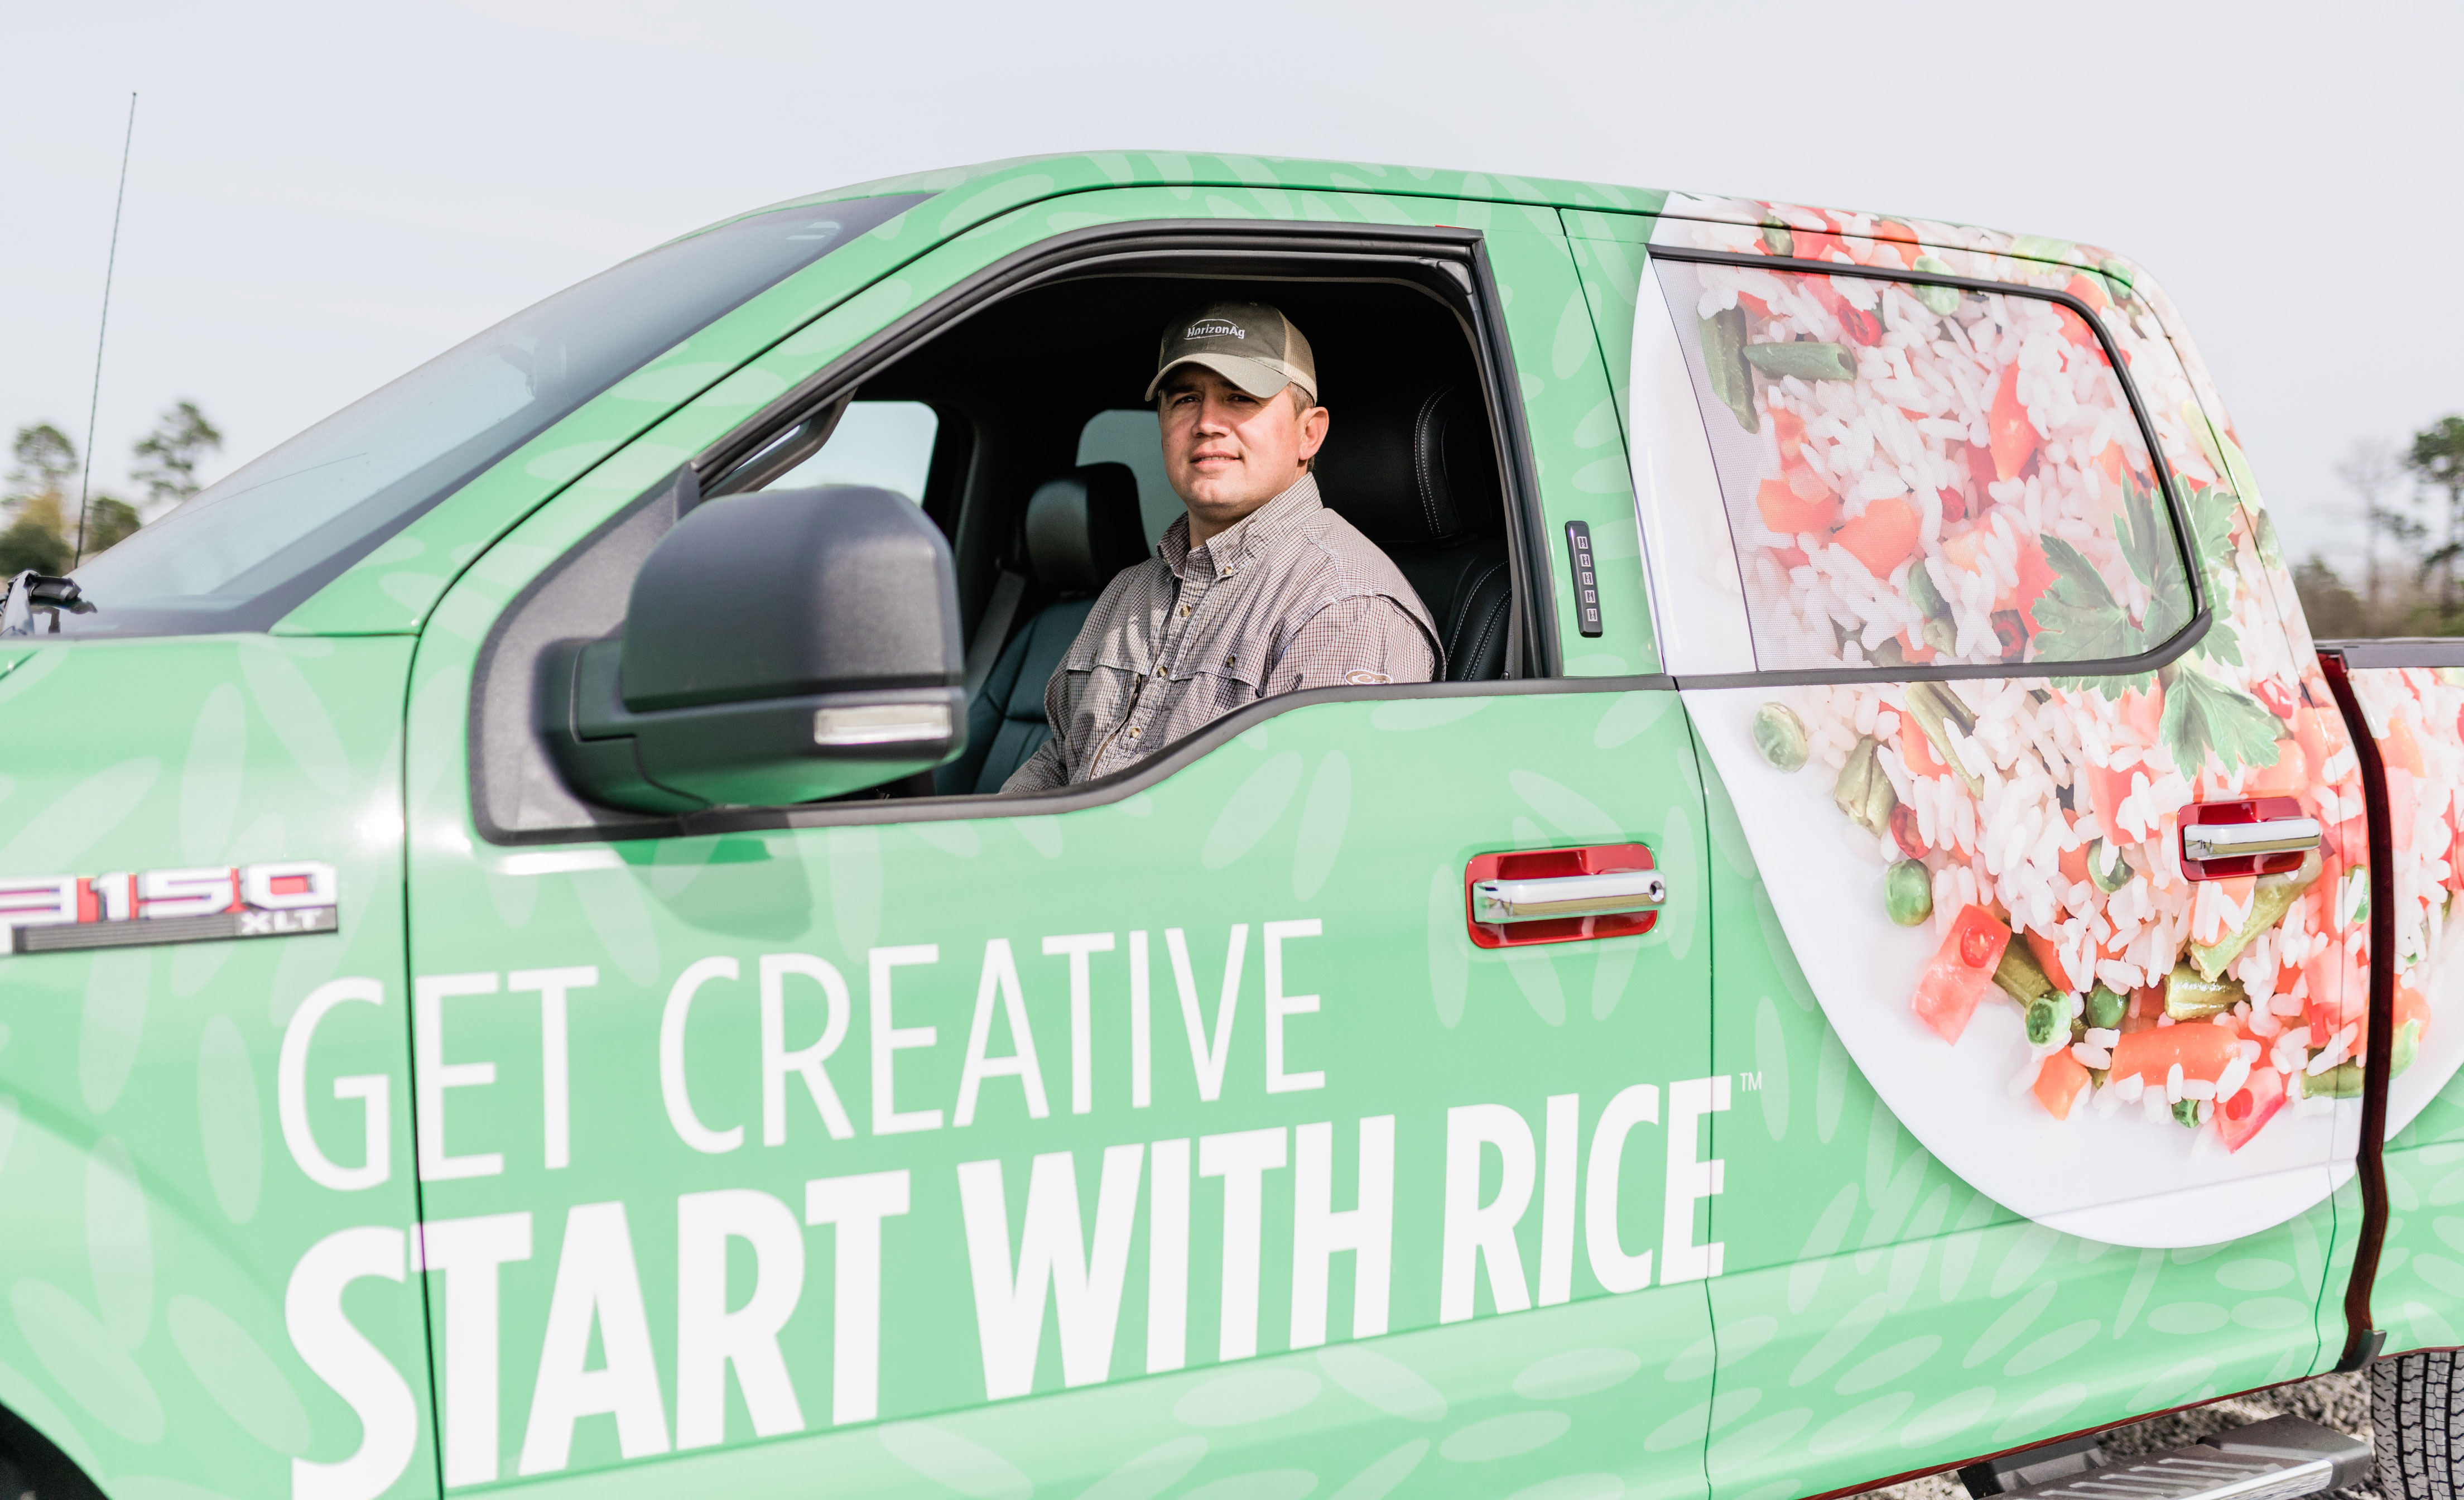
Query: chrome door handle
{"points": [[1622, 892], [2207, 841]]}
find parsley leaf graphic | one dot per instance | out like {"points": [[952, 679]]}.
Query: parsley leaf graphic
{"points": [[2202, 715]]}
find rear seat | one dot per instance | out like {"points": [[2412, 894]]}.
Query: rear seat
{"points": [[1081, 528]]}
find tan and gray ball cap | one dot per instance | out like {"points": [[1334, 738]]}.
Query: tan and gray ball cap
{"points": [[1251, 344]]}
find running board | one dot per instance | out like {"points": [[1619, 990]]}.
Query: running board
{"points": [[2273, 1459]]}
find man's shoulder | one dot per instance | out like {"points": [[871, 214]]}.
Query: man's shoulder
{"points": [[1342, 561]]}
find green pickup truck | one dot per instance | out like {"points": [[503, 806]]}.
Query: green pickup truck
{"points": [[1888, 946]]}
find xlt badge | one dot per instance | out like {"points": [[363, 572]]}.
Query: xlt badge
{"points": [[56, 913]]}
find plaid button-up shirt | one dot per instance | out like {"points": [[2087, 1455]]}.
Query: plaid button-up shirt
{"points": [[1291, 597]]}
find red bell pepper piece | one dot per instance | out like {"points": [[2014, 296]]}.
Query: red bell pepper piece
{"points": [[1959, 972]]}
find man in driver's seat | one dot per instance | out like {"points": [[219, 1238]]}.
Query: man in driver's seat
{"points": [[1259, 589]]}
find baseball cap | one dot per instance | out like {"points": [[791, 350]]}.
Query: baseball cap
{"points": [[1251, 344]]}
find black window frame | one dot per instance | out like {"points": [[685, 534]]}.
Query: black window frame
{"points": [[507, 764], [2192, 631]]}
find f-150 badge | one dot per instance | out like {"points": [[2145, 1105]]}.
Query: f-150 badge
{"points": [[55, 914]]}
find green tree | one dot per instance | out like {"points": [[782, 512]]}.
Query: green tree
{"points": [[168, 457], [109, 523], [43, 463], [2436, 458], [2333, 609]]}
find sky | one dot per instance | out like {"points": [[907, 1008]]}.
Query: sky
{"points": [[321, 196]]}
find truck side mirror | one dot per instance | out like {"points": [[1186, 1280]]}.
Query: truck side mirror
{"points": [[779, 646]]}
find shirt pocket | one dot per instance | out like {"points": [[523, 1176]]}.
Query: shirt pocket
{"points": [[1212, 688]]}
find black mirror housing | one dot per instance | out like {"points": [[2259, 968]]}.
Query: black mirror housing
{"points": [[779, 648]]}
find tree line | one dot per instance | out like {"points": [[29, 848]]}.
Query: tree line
{"points": [[2410, 499], [39, 524]]}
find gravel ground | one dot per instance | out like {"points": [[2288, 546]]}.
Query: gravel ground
{"points": [[2341, 1401]]}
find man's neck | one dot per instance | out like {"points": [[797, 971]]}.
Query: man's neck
{"points": [[1202, 531]]}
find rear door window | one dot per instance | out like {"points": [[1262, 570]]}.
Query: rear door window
{"points": [[1923, 474]]}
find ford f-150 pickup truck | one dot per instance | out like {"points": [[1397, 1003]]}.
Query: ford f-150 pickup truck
{"points": [[1887, 946]]}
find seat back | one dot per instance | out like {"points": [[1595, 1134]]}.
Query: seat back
{"points": [[1080, 528], [1417, 472]]}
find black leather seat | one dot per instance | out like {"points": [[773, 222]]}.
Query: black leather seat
{"points": [[1080, 528], [1418, 474]]}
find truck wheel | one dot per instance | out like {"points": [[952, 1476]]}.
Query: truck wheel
{"points": [[2417, 1418]]}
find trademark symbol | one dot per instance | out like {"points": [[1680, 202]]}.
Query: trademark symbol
{"points": [[1752, 1082]]}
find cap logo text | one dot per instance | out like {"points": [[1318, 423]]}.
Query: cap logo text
{"points": [[1216, 328]]}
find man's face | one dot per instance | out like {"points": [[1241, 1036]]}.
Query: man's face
{"points": [[1227, 451]]}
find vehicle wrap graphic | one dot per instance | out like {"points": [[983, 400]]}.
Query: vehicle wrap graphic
{"points": [[280, 898], [1920, 474], [218, 1282]]}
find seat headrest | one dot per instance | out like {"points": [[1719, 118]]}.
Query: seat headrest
{"points": [[1083, 528], [1410, 466]]}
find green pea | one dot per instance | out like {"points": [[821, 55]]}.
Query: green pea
{"points": [[1780, 736], [2105, 1008], [2186, 1112], [1907, 892], [1777, 239], [2048, 1017]]}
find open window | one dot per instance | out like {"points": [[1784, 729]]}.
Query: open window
{"points": [[1010, 411]]}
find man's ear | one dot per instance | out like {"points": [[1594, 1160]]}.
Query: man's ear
{"points": [[1313, 427]]}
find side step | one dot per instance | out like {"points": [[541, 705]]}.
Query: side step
{"points": [[2272, 1460]]}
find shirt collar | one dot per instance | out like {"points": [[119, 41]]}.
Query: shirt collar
{"points": [[1252, 533]]}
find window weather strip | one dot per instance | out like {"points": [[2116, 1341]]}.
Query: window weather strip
{"points": [[2361, 1337]]}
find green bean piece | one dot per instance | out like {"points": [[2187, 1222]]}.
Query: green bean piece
{"points": [[1804, 360], [2192, 995], [1863, 791], [2046, 1018], [2106, 869], [2105, 1008], [1777, 239], [1907, 892], [2344, 1081], [1938, 711], [1938, 298], [2271, 898], [1723, 361], [2018, 974], [2186, 1112], [1780, 736]]}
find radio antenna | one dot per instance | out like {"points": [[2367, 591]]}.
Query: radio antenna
{"points": [[94, 408]]}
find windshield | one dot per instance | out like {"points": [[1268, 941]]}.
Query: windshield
{"points": [[245, 551]]}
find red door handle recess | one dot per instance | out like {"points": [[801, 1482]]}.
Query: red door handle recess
{"points": [[1561, 895]]}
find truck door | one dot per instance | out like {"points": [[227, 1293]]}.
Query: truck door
{"points": [[895, 1142], [2042, 1112]]}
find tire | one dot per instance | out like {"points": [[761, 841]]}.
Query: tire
{"points": [[2417, 1423]]}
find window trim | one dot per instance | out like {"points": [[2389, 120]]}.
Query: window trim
{"points": [[2192, 631], [1074, 255]]}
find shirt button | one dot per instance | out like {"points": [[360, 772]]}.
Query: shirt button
{"points": [[1134, 731], [1184, 611]]}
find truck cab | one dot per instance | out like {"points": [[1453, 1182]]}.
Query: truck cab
{"points": [[1885, 944]]}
